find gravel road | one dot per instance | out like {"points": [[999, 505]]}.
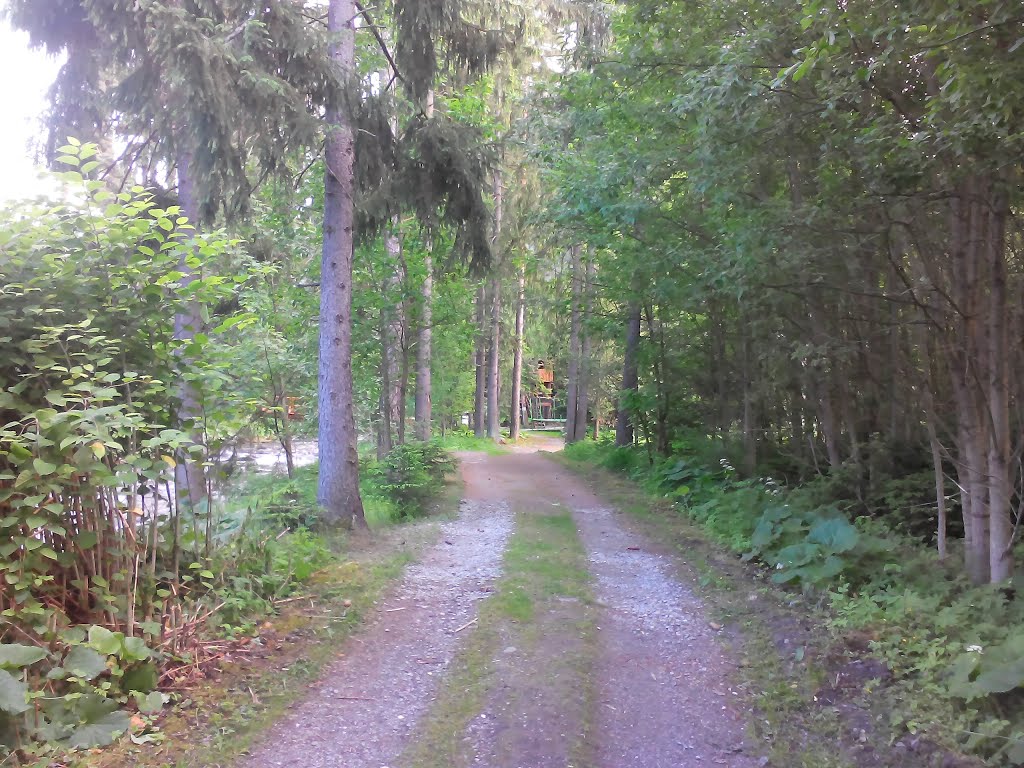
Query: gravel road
{"points": [[364, 710], [661, 678]]}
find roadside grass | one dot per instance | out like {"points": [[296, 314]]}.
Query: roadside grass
{"points": [[274, 494], [467, 441], [218, 716], [222, 710], [777, 653], [544, 564]]}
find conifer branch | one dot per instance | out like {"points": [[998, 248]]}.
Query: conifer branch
{"points": [[380, 41]]}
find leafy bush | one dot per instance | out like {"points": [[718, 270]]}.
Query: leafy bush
{"points": [[811, 547], [73, 697], [412, 474], [89, 288]]}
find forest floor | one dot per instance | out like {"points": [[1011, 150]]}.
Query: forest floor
{"points": [[540, 629]]}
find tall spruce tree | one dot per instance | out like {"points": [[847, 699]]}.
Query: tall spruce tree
{"points": [[338, 492]]}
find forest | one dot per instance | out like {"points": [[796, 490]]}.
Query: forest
{"points": [[762, 261]]}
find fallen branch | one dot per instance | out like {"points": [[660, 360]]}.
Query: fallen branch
{"points": [[469, 623]]}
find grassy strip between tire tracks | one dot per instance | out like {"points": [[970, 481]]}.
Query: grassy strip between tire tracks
{"points": [[543, 608]]}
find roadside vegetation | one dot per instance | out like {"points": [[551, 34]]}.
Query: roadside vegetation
{"points": [[947, 651], [117, 591]]}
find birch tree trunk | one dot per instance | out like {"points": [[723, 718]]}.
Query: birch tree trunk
{"points": [[338, 491], [515, 414], [999, 452]]}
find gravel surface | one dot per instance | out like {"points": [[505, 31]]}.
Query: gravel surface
{"points": [[663, 694], [661, 677], [364, 710]]}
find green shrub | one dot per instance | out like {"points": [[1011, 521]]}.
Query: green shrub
{"points": [[411, 475]]}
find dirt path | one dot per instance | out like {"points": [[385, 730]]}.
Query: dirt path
{"points": [[594, 655], [662, 682], [362, 713]]}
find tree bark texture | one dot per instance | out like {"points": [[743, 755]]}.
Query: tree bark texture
{"points": [[494, 368], [572, 384], [425, 338], [624, 429], [494, 363], [392, 338], [516, 410], [424, 348], [338, 491], [480, 358], [585, 368], [189, 477]]}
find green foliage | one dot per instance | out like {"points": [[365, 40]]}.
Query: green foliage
{"points": [[73, 698], [91, 286], [813, 547], [90, 290], [464, 440], [412, 474], [954, 651]]}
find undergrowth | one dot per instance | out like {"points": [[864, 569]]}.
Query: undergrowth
{"points": [[953, 651]]}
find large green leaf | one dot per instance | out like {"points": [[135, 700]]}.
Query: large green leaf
{"points": [[15, 656], [141, 678], [105, 641], [85, 662], [150, 703], [834, 534], [101, 732], [135, 649], [13, 694]]}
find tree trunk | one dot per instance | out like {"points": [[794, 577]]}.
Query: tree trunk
{"points": [[384, 430], [189, 476], [516, 411], [494, 363], [423, 354], [928, 399], [405, 368], [749, 426], [656, 332], [392, 340], [338, 492], [424, 345], [624, 430], [480, 394], [999, 452], [574, 350], [585, 367]]}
